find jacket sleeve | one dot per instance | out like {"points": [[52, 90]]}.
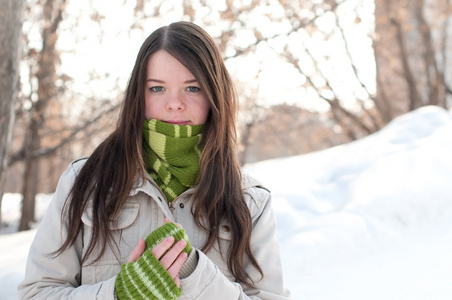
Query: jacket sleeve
{"points": [[208, 282], [58, 277]]}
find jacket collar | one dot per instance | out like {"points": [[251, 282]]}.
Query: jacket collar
{"points": [[150, 187]]}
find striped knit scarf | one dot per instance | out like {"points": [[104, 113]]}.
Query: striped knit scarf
{"points": [[172, 155]]}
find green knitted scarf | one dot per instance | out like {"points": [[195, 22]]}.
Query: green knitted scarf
{"points": [[147, 278], [172, 155]]}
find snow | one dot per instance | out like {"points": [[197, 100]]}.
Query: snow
{"points": [[367, 220]]}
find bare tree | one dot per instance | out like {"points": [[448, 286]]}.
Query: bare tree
{"points": [[10, 40], [412, 53], [48, 131], [296, 33], [48, 57]]}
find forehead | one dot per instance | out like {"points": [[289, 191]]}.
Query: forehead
{"points": [[163, 65]]}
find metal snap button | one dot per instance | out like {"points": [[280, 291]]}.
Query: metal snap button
{"points": [[181, 205], [226, 228]]}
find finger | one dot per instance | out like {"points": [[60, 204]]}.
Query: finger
{"points": [[169, 221], [162, 247], [137, 252], [177, 281], [170, 257], [177, 265]]}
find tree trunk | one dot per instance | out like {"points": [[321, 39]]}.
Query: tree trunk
{"points": [[11, 14], [245, 142], [29, 192], [46, 92], [414, 99]]}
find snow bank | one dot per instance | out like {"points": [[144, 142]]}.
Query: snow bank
{"points": [[370, 219]]}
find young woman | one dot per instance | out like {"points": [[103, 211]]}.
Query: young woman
{"points": [[171, 160]]}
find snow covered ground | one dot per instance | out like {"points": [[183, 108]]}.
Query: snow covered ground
{"points": [[370, 219]]}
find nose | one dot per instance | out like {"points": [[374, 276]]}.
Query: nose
{"points": [[175, 102]]}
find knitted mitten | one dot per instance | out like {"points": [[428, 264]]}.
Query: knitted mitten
{"points": [[146, 278]]}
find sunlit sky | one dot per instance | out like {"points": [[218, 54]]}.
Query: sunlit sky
{"points": [[109, 49]]}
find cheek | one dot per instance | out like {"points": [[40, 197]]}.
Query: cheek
{"points": [[149, 110]]}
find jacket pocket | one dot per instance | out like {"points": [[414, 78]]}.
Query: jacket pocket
{"points": [[124, 233], [219, 253]]}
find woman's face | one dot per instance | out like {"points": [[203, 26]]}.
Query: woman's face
{"points": [[172, 93]]}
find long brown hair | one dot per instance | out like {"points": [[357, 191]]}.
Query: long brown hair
{"points": [[110, 172]]}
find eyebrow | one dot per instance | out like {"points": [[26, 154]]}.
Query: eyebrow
{"points": [[162, 81]]}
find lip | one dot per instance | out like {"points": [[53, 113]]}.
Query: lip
{"points": [[177, 122]]}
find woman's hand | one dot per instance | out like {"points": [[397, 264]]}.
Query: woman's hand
{"points": [[171, 257], [137, 252]]}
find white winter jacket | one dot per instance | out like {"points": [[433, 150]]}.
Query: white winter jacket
{"points": [[61, 277]]}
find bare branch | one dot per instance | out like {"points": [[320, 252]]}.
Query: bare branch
{"points": [[334, 103], [355, 72], [21, 155], [444, 50], [302, 23], [415, 100], [434, 76]]}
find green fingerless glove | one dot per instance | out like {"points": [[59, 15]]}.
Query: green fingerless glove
{"points": [[147, 278]]}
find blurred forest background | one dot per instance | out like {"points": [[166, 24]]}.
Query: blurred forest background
{"points": [[310, 74]]}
